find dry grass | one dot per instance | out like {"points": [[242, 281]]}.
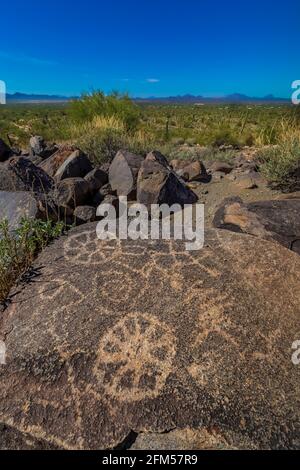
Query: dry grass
{"points": [[281, 163]]}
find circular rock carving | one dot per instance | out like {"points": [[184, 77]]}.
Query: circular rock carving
{"points": [[135, 358]]}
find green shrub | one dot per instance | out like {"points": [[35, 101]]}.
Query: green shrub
{"points": [[280, 164], [18, 248], [225, 137], [104, 136], [191, 141], [98, 104]]}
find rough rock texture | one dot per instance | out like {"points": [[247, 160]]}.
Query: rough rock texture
{"points": [[96, 179], [77, 165], [182, 439], [16, 205], [38, 147], [158, 183], [102, 193], [96, 349], [223, 167], [5, 151], [20, 174], [123, 173], [249, 180], [72, 192], [54, 162], [83, 214], [190, 171], [270, 220]]}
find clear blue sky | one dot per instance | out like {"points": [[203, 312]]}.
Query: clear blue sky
{"points": [[150, 47]]}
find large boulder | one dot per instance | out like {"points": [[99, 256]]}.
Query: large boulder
{"points": [[122, 337], [271, 220], [55, 161], [5, 151], [158, 183], [123, 173], [77, 165], [16, 205], [20, 174]]}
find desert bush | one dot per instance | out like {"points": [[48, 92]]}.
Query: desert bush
{"points": [[280, 163], [18, 248], [225, 137], [191, 141], [104, 136], [98, 104]]}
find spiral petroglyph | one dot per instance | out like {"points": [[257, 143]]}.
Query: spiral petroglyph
{"points": [[135, 358]]}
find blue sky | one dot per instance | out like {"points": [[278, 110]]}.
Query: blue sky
{"points": [[150, 47]]}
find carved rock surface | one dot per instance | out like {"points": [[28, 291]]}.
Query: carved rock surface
{"points": [[97, 349]]}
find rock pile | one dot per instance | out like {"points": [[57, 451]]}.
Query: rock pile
{"points": [[66, 185]]}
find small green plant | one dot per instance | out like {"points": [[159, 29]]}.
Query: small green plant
{"points": [[19, 248]]}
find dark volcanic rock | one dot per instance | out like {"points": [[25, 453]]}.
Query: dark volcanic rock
{"points": [[5, 151], [84, 214], [16, 205], [270, 220], [96, 349], [158, 183], [20, 174], [72, 192], [190, 171], [38, 147], [55, 161], [123, 173], [96, 179], [101, 194], [77, 165]]}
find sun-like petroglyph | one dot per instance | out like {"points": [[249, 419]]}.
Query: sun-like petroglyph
{"points": [[135, 358]]}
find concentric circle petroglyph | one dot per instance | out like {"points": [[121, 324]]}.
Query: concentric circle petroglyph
{"points": [[135, 358]]}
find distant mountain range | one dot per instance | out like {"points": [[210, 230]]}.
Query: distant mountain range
{"points": [[233, 98], [23, 98], [181, 99]]}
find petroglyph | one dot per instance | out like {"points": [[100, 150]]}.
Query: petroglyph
{"points": [[120, 335], [86, 249], [135, 358]]}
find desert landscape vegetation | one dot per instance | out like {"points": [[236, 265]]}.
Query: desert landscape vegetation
{"points": [[124, 324], [149, 232], [266, 136]]}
